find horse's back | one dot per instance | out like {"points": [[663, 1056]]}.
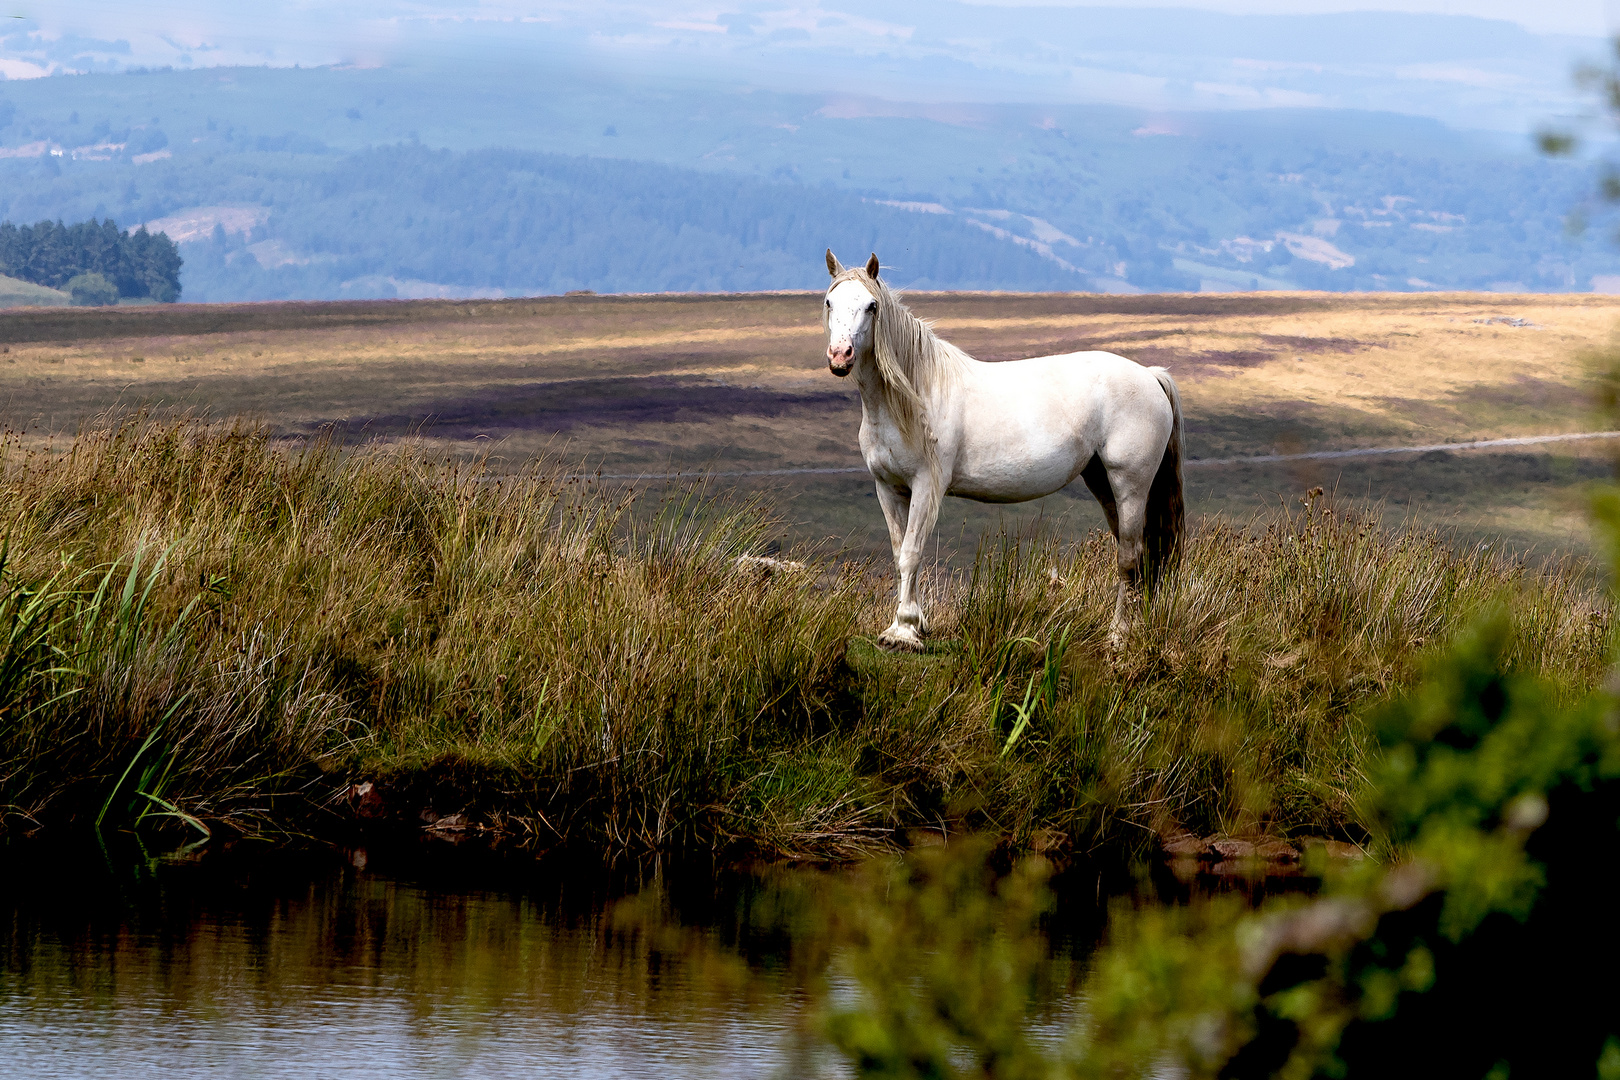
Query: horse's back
{"points": [[1085, 388]]}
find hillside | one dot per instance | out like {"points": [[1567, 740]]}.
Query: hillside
{"points": [[411, 222], [15, 293], [317, 182], [633, 385]]}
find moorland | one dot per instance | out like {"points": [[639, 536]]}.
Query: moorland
{"points": [[455, 565], [628, 385]]}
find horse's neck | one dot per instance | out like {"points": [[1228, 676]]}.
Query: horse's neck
{"points": [[874, 389]]}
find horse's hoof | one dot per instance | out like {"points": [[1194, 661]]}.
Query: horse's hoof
{"points": [[901, 639]]}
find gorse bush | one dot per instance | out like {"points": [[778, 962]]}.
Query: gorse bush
{"points": [[211, 627]]}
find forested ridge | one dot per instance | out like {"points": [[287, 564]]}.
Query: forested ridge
{"points": [[522, 223], [347, 184], [138, 264]]}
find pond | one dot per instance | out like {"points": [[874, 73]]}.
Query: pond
{"points": [[424, 961]]}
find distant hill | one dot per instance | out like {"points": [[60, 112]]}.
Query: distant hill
{"points": [[18, 293], [412, 222], [315, 183]]}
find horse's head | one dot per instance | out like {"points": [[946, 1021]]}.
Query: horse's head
{"points": [[850, 314]]}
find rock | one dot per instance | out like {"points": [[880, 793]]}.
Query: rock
{"points": [[449, 821], [1184, 846], [766, 566], [1334, 849], [366, 800], [1278, 851], [1232, 849]]}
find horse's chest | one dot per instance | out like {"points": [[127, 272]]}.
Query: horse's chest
{"points": [[887, 456]]}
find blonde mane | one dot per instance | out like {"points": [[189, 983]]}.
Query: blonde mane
{"points": [[913, 363]]}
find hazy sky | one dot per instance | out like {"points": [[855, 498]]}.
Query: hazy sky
{"points": [[111, 34], [1472, 74], [1585, 17]]}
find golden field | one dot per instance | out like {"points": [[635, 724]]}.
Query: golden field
{"points": [[629, 385]]}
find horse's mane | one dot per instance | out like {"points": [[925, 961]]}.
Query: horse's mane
{"points": [[913, 362]]}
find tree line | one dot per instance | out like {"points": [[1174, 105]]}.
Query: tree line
{"points": [[391, 220], [137, 264]]}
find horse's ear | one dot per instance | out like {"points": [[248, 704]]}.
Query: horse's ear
{"points": [[872, 267], [834, 267]]}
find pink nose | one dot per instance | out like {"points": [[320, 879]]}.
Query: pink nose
{"points": [[840, 358]]}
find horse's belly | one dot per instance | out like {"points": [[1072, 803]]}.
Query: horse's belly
{"points": [[1008, 481]]}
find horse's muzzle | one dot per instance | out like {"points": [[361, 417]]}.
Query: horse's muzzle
{"points": [[840, 359]]}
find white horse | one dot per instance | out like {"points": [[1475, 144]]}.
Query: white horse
{"points": [[936, 422]]}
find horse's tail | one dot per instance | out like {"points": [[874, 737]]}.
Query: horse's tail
{"points": [[1166, 510]]}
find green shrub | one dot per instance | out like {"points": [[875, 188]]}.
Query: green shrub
{"points": [[91, 290]]}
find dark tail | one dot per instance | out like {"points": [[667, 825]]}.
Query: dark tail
{"points": [[1166, 513]]}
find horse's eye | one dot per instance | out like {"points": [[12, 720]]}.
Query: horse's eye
{"points": [[871, 307]]}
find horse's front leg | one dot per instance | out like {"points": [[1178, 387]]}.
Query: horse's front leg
{"points": [[909, 625], [896, 512]]}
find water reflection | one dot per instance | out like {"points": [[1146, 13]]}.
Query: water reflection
{"points": [[443, 961], [446, 965]]}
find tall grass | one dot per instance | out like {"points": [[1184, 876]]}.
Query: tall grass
{"points": [[1234, 709], [201, 627]]}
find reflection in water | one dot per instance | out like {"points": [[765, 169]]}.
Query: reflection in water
{"points": [[270, 965]]}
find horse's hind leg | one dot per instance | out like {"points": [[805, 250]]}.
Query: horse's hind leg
{"points": [[1130, 500], [1096, 477], [1127, 520]]}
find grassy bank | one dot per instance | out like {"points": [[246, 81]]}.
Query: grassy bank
{"points": [[203, 628]]}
